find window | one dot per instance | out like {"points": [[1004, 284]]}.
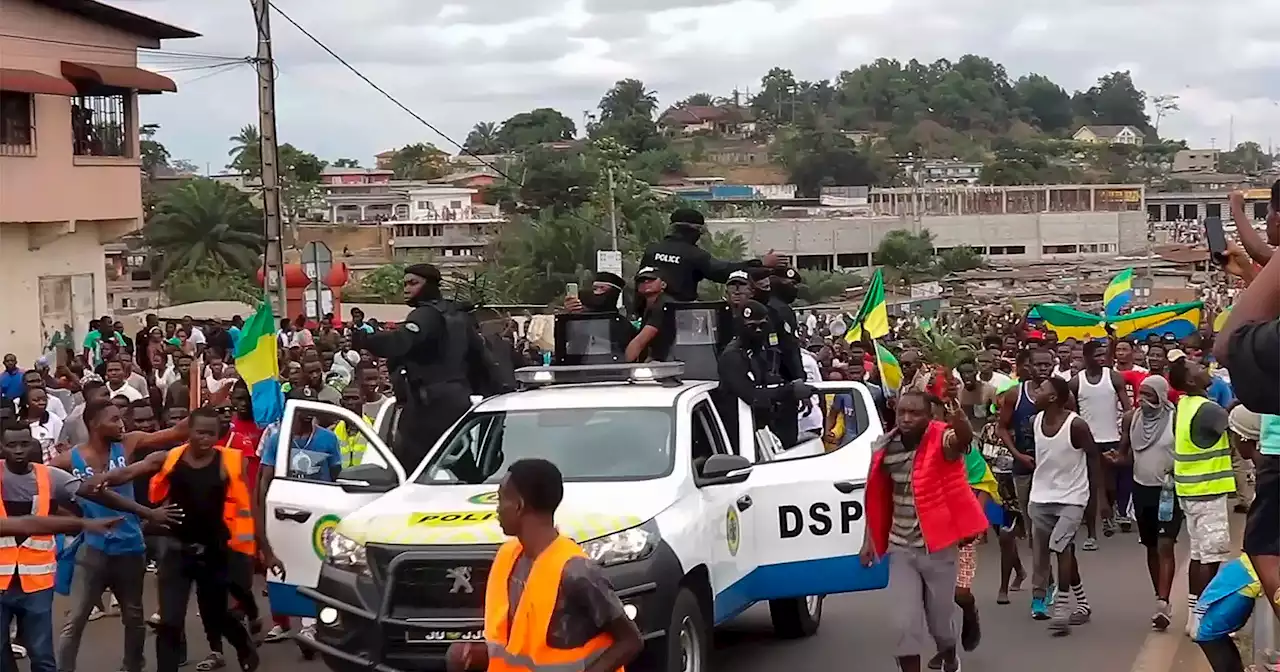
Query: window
{"points": [[127, 302], [1059, 249], [587, 444], [708, 438], [1153, 212], [1007, 249], [1260, 210], [424, 205], [455, 204], [100, 126], [437, 229], [1213, 210], [17, 124]]}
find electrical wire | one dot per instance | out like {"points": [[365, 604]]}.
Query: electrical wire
{"points": [[123, 50], [191, 68], [214, 71], [622, 235]]}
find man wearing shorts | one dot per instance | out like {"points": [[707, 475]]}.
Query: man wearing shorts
{"points": [[1060, 489], [1202, 476]]}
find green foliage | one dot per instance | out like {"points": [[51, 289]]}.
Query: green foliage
{"points": [[384, 284], [1114, 100], [530, 128], [957, 259], [154, 154], [483, 139], [823, 286], [906, 253], [1247, 157], [346, 163], [944, 348], [202, 221], [246, 152], [419, 161], [210, 280]]}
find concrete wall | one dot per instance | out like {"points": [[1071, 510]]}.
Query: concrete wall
{"points": [[1126, 230]]}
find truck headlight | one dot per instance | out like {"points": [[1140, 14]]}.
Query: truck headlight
{"points": [[630, 545], [345, 553]]}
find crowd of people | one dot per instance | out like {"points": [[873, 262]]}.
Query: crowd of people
{"points": [[148, 447]]}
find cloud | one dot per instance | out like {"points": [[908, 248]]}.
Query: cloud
{"points": [[457, 63]]}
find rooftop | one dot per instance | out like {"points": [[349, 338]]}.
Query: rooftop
{"points": [[115, 17]]}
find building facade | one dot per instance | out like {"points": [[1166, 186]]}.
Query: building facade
{"points": [[1010, 224], [938, 173], [69, 87], [130, 287], [445, 225], [1114, 135], [1196, 160], [1178, 206]]}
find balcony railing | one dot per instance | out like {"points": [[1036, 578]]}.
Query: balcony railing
{"points": [[9, 149], [456, 214]]}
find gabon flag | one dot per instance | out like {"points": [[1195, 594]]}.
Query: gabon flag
{"points": [[258, 363]]}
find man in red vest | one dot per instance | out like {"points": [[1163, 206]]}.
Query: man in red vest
{"points": [[920, 509]]}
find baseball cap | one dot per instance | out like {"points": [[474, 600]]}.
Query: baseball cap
{"points": [[738, 276], [648, 273], [302, 393], [1175, 354], [787, 273]]}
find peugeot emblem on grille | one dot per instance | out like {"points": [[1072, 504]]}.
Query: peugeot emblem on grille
{"points": [[461, 580]]}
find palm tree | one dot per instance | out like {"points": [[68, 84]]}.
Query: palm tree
{"points": [[205, 221], [628, 98], [483, 139], [246, 151]]}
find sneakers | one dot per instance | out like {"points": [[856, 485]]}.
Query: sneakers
{"points": [[96, 613], [276, 634], [1091, 544], [970, 627], [1126, 524], [1080, 617], [151, 567], [1163, 617], [1039, 609], [19, 651], [1108, 528], [937, 663]]}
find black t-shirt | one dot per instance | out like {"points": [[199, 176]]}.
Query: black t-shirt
{"points": [[1253, 358], [658, 315], [200, 493]]}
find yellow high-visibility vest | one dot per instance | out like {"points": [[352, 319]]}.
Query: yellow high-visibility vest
{"points": [[1199, 472]]}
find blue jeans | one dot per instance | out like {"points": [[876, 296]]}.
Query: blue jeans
{"points": [[34, 614]]}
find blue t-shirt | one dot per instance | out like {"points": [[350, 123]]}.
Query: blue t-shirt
{"points": [[314, 457], [125, 538], [1219, 392], [11, 385], [1269, 441], [234, 333]]}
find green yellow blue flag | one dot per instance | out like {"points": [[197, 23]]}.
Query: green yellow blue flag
{"points": [[890, 369], [874, 314], [1119, 293], [1220, 322], [258, 363], [1179, 320]]}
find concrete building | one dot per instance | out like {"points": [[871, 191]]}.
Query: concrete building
{"points": [[446, 224], [129, 280], [1113, 135], [1010, 224], [1176, 206], [939, 173], [1196, 160], [69, 87]]}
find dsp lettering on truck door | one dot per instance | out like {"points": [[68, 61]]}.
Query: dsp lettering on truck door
{"points": [[809, 518]]}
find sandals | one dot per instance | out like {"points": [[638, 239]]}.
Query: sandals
{"points": [[213, 661]]}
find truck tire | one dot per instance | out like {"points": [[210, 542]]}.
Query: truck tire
{"points": [[689, 640], [796, 617]]}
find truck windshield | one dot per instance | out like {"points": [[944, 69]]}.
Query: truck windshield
{"points": [[587, 444]]}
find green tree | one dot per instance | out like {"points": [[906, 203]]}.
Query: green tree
{"points": [[384, 283], [246, 152], [628, 98], [483, 139], [822, 286], [906, 254], [346, 163], [1247, 157], [1114, 100], [699, 100], [535, 127], [957, 259], [419, 161], [154, 154], [203, 221], [1044, 104], [210, 280]]}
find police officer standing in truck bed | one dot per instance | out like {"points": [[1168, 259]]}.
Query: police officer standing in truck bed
{"points": [[683, 264]]}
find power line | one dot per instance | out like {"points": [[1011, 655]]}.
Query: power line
{"points": [[122, 50], [215, 71], [395, 101], [191, 68]]}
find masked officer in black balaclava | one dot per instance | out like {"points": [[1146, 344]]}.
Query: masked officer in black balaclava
{"points": [[683, 264], [776, 289], [751, 370], [437, 359], [602, 297]]}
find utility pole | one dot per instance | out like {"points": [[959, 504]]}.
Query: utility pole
{"points": [[613, 213], [273, 275]]}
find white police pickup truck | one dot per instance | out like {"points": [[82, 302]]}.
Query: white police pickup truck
{"points": [[690, 531]]}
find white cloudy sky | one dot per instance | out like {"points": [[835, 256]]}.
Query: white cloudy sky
{"points": [[456, 63]]}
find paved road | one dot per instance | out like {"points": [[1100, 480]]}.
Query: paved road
{"points": [[854, 630]]}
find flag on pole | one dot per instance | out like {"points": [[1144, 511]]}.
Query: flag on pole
{"points": [[1220, 321], [1118, 293], [258, 363], [874, 314], [890, 369]]}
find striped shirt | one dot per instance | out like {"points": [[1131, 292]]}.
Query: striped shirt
{"points": [[899, 462]]}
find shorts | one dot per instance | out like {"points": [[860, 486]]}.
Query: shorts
{"points": [[1209, 528], [1009, 498], [1260, 525], [1060, 523], [1146, 509]]}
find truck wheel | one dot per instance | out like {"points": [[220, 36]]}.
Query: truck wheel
{"points": [[688, 638], [796, 617]]}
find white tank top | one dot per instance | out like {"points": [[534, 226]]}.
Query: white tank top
{"points": [[1100, 407], [1062, 470]]}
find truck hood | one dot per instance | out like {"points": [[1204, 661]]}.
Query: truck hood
{"points": [[466, 514]]}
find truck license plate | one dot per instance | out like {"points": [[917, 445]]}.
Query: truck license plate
{"points": [[443, 636]]}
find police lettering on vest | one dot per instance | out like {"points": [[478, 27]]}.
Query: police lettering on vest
{"points": [[666, 258], [791, 519]]}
